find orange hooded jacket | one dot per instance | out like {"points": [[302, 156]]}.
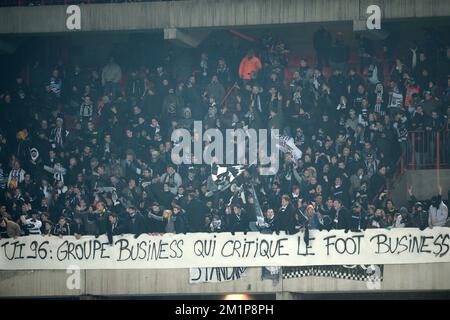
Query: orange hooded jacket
{"points": [[249, 65]]}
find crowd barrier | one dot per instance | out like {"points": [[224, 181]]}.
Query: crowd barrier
{"points": [[426, 150]]}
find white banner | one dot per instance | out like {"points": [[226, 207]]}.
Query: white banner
{"points": [[373, 246], [219, 274]]}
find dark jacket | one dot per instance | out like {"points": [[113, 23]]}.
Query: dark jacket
{"points": [[63, 230], [102, 223], [342, 219], [77, 228], [421, 219], [195, 211], [137, 224], [285, 220], [238, 223], [155, 225], [116, 229], [181, 223], [358, 221]]}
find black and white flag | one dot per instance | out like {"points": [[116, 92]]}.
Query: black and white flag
{"points": [[286, 144]]}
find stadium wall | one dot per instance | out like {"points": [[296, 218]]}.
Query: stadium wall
{"points": [[208, 14], [104, 283]]}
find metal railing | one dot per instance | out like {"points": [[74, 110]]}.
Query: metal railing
{"points": [[427, 150]]}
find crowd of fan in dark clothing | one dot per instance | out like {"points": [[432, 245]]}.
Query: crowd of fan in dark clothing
{"points": [[88, 152]]}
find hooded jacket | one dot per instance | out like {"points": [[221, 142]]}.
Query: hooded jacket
{"points": [[437, 216]]}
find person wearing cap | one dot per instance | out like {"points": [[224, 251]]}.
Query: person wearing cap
{"points": [[420, 216], [314, 220], [402, 219]]}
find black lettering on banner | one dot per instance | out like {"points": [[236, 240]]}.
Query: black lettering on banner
{"points": [[43, 251], [266, 251], [139, 250], [97, 246], [405, 247], [180, 244], [123, 249], [328, 244], [444, 238], [381, 240], [441, 243], [415, 245], [16, 248], [162, 249], [205, 248], [177, 251], [348, 245], [198, 248], [223, 247], [79, 251], [307, 247], [20, 256], [103, 249], [65, 251], [424, 245], [281, 246], [4, 250], [33, 248], [173, 252], [219, 272], [236, 246], [199, 274]]}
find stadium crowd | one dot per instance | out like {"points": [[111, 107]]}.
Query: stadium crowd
{"points": [[88, 151]]}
